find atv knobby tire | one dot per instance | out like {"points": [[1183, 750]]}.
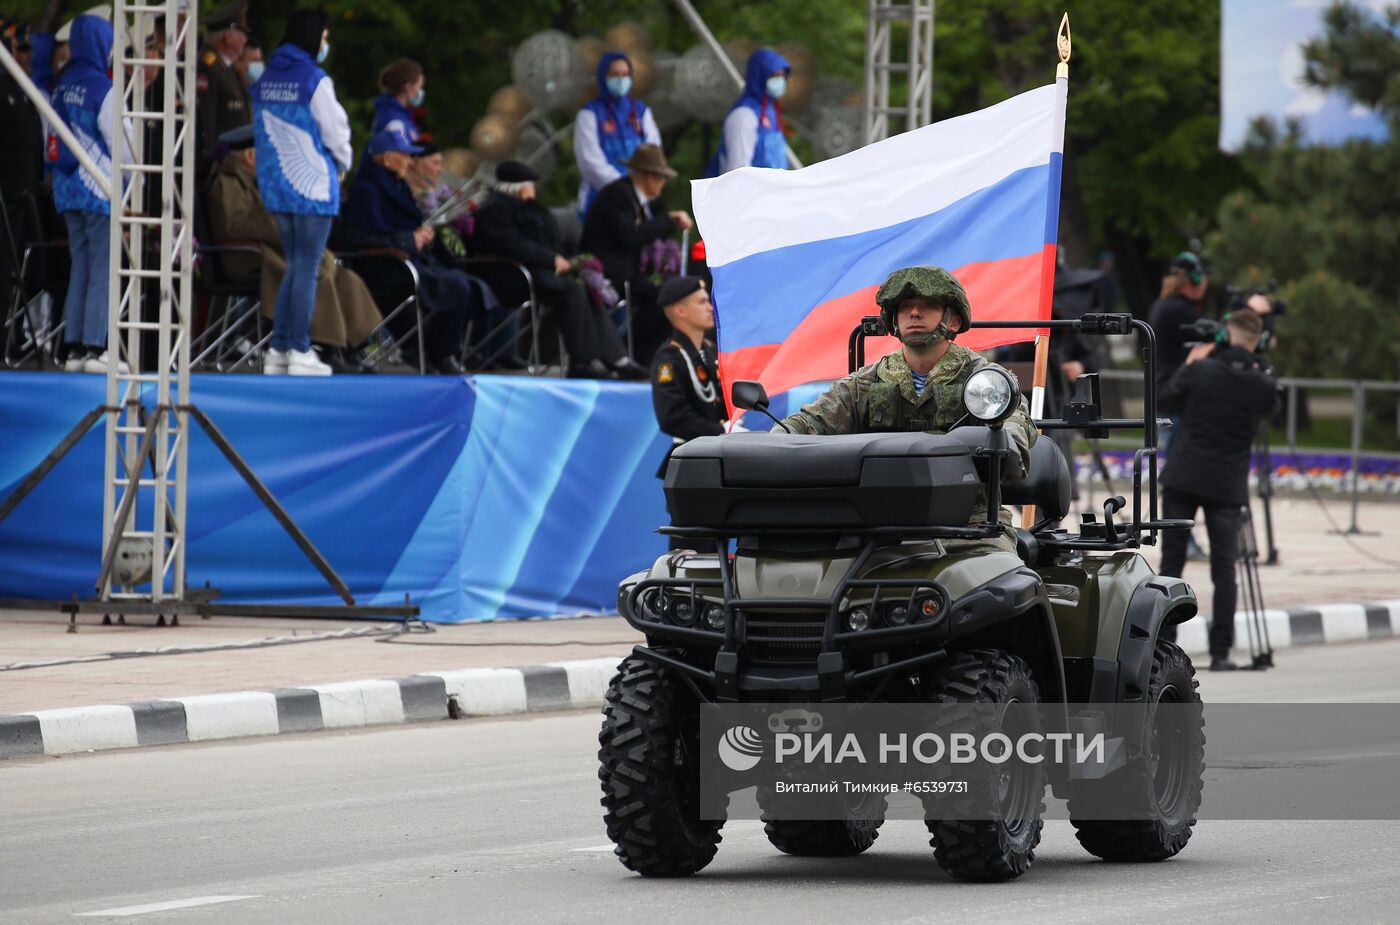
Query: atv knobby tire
{"points": [[991, 850], [650, 774], [1168, 796]]}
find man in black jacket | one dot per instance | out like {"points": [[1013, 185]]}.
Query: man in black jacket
{"points": [[1225, 391], [685, 387], [513, 225], [620, 223]]}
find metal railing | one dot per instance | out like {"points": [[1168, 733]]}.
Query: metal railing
{"points": [[1359, 388]]}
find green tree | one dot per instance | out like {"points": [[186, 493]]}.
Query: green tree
{"points": [[1142, 173], [1325, 221]]}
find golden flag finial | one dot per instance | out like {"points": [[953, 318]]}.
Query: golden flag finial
{"points": [[1062, 41]]}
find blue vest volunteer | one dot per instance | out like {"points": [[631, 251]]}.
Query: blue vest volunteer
{"points": [[391, 113], [608, 129], [82, 101], [753, 131], [301, 133]]}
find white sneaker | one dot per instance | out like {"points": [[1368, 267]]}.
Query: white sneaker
{"points": [[75, 364], [274, 362], [99, 364], [306, 363]]}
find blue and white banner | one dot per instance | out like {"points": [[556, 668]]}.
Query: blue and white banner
{"points": [[1261, 73], [481, 497]]}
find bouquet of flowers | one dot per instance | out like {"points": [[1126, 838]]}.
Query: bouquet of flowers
{"points": [[590, 272], [660, 259], [446, 210]]}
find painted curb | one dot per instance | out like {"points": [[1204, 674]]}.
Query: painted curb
{"points": [[472, 692]]}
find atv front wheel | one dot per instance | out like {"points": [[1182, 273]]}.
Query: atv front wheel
{"points": [[650, 771], [991, 850], [1164, 779]]}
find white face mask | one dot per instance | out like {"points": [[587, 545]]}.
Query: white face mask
{"points": [[255, 70], [776, 86]]}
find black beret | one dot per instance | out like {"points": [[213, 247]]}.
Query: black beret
{"points": [[677, 288], [515, 172]]}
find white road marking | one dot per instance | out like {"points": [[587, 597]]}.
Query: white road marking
{"points": [[594, 848], [165, 906]]}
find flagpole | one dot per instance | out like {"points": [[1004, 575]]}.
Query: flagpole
{"points": [[1047, 273]]}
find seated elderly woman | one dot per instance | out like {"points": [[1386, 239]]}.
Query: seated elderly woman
{"points": [[511, 224], [345, 313], [381, 212]]}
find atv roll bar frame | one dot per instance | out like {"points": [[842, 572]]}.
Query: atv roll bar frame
{"points": [[1083, 414]]}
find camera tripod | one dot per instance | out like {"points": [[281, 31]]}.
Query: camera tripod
{"points": [[1261, 651]]}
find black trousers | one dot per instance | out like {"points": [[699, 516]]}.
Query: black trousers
{"points": [[1223, 529], [588, 331]]}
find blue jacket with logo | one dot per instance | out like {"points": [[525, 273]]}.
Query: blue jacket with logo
{"points": [[620, 120], [296, 172], [388, 110], [770, 150], [78, 99]]}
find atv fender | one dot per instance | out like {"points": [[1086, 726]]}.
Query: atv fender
{"points": [[1012, 612], [1157, 601]]}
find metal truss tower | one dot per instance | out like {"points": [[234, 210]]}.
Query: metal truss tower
{"points": [[147, 448], [882, 15]]}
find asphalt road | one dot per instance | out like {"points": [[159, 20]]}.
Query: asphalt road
{"points": [[499, 821]]}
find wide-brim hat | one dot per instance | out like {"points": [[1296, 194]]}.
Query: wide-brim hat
{"points": [[650, 159]]}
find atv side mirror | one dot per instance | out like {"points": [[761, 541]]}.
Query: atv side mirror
{"points": [[751, 396]]}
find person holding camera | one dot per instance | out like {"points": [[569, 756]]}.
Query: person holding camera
{"points": [[1225, 390]]}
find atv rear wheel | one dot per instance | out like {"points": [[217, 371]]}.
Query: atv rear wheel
{"points": [[1164, 779], [826, 838], [650, 771], [991, 850]]}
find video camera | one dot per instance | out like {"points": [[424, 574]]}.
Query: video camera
{"points": [[1237, 297], [1211, 330]]}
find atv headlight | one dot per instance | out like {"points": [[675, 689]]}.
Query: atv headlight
{"points": [[990, 395], [858, 620], [715, 617], [682, 611]]}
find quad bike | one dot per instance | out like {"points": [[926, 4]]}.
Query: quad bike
{"points": [[825, 579]]}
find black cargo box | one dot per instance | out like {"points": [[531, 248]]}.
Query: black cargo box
{"points": [[849, 481]]}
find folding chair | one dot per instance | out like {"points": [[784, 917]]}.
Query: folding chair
{"points": [[530, 309], [233, 303], [30, 335], [405, 289]]}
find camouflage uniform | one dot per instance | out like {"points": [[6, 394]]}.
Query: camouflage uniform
{"points": [[880, 397]]}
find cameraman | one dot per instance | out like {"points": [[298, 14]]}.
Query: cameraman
{"points": [[1178, 306], [1225, 390]]}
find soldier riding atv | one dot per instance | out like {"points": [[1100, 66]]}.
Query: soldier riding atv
{"points": [[862, 555]]}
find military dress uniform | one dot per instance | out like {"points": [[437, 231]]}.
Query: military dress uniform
{"points": [[223, 102], [881, 397], [685, 391]]}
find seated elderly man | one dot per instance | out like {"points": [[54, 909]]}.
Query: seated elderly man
{"points": [[623, 220], [345, 312], [380, 211], [513, 225]]}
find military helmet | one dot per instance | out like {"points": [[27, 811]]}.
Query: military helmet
{"points": [[933, 283]]}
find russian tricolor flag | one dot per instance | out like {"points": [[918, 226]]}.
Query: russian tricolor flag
{"points": [[797, 255]]}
